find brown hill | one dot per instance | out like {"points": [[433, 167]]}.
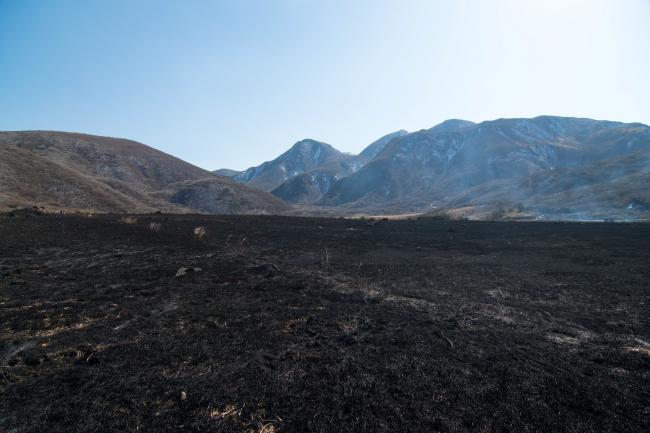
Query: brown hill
{"points": [[62, 170], [225, 196]]}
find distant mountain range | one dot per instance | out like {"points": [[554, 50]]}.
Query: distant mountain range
{"points": [[305, 173], [545, 167]]}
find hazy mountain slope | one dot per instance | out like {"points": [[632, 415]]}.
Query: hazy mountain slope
{"points": [[304, 156], [80, 171], [402, 166], [310, 186], [459, 163], [377, 146], [307, 187], [226, 172], [609, 187]]}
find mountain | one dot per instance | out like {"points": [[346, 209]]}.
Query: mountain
{"points": [[303, 156], [64, 170], [399, 169], [377, 146], [226, 172], [307, 188], [546, 164], [304, 173]]}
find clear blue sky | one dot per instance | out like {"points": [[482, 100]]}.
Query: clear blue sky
{"points": [[234, 83]]}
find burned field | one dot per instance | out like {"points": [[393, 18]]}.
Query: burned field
{"points": [[322, 325]]}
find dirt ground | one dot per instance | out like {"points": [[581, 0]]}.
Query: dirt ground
{"points": [[322, 325]]}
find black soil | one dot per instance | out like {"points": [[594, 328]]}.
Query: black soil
{"points": [[322, 325]]}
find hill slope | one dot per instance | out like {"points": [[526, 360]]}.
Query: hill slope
{"points": [[78, 171]]}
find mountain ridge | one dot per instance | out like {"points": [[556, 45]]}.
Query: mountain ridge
{"points": [[541, 167], [436, 167], [298, 175]]}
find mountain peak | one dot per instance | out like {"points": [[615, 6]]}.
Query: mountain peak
{"points": [[303, 156], [311, 145], [309, 152], [451, 124]]}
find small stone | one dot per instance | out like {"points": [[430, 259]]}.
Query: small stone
{"points": [[184, 271], [200, 232], [267, 269]]}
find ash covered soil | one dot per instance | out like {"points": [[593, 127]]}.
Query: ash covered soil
{"points": [[322, 325]]}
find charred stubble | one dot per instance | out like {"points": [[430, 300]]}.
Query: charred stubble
{"points": [[411, 326]]}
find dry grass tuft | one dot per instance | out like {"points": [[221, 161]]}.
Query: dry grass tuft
{"points": [[638, 349], [267, 428], [128, 220], [227, 412]]}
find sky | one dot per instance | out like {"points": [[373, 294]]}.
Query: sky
{"points": [[235, 83]]}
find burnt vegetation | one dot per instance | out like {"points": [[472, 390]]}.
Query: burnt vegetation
{"points": [[277, 324]]}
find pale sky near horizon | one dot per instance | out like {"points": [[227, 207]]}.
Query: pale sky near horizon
{"points": [[235, 83]]}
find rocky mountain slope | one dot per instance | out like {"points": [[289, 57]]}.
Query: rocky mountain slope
{"points": [[377, 146], [547, 165], [61, 170], [304, 156], [305, 172]]}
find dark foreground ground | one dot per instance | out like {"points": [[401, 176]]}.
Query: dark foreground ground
{"points": [[315, 325]]}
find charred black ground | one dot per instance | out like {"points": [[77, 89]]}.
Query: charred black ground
{"points": [[322, 325]]}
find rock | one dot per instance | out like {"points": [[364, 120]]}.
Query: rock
{"points": [[267, 269], [184, 271], [12, 354], [200, 232]]}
